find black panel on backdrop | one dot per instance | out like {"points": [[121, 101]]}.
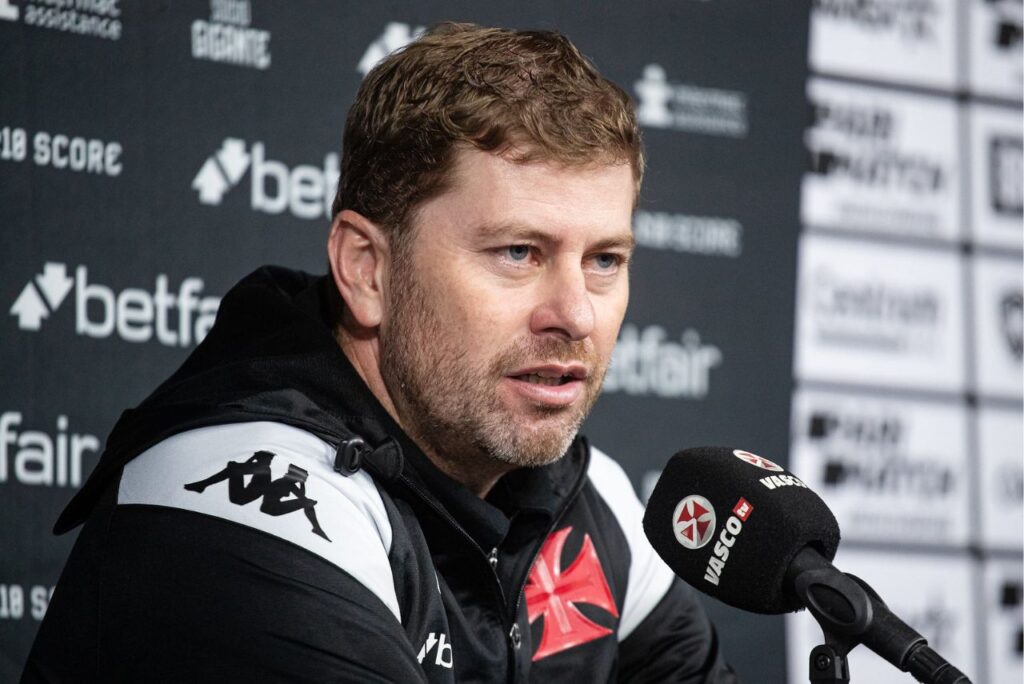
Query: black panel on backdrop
{"points": [[153, 152]]}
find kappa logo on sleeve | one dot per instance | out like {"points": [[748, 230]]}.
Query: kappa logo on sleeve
{"points": [[282, 496]]}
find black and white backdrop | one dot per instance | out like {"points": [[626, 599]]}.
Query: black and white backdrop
{"points": [[828, 273]]}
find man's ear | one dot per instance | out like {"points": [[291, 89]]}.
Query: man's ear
{"points": [[358, 252]]}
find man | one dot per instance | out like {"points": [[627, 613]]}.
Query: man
{"points": [[419, 406]]}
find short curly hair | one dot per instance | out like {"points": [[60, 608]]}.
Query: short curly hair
{"points": [[529, 95]]}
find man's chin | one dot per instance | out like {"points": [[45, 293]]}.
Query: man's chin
{"points": [[532, 445]]}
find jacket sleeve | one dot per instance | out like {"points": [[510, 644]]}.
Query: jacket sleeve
{"points": [[231, 553], [664, 633], [164, 595], [675, 643]]}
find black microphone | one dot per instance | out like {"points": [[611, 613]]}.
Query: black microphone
{"points": [[746, 531]]}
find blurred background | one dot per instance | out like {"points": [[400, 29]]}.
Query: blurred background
{"points": [[829, 268]]}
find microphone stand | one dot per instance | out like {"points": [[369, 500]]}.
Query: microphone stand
{"points": [[849, 613]]}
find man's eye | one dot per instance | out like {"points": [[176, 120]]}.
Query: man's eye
{"points": [[606, 261], [518, 252]]}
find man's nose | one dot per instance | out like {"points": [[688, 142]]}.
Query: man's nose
{"points": [[564, 307]]}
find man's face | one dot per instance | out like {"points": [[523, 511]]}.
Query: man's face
{"points": [[503, 311]]}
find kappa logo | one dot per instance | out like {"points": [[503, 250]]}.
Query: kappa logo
{"points": [[135, 315], [693, 521], [282, 496], [755, 460], [396, 35], [305, 191], [553, 595], [444, 650]]}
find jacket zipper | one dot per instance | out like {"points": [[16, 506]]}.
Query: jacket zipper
{"points": [[573, 494]]}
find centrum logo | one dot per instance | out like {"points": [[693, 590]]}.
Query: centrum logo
{"points": [[755, 460], [396, 35], [686, 107], [305, 191], [174, 319], [693, 521]]}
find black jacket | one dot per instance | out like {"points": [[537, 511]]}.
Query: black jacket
{"points": [[260, 517]]}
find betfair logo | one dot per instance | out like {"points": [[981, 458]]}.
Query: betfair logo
{"points": [[305, 191], [174, 319]]}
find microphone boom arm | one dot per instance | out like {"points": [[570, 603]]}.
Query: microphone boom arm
{"points": [[850, 612]]}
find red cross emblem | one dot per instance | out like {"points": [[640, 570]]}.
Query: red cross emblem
{"points": [[759, 461], [693, 521], [552, 593]]}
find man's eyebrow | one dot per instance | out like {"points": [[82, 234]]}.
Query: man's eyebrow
{"points": [[518, 231]]}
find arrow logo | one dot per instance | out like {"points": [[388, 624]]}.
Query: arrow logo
{"points": [[41, 296], [221, 171]]}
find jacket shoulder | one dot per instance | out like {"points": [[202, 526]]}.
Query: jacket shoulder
{"points": [[276, 479]]}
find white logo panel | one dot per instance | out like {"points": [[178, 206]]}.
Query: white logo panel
{"points": [[1001, 441], [997, 176], [879, 315], [1003, 586], [933, 594], [999, 326], [995, 48], [881, 162], [889, 470], [887, 40]]}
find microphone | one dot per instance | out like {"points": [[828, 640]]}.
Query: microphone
{"points": [[746, 531]]}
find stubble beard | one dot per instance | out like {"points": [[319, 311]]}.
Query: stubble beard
{"points": [[452, 407]]}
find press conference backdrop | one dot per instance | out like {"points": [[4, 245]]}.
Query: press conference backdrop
{"points": [[828, 262]]}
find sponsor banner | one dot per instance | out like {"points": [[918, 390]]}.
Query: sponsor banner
{"points": [[228, 35], [62, 151], [876, 314], [396, 35], [662, 103], [24, 602], [91, 18], [886, 40], [1004, 586], [1001, 477], [997, 176], [998, 326], [995, 48], [44, 455], [934, 595], [649, 362], [701, 235], [881, 161], [890, 470], [305, 191], [174, 314]]}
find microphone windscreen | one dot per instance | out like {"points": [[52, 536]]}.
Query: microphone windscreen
{"points": [[730, 522]]}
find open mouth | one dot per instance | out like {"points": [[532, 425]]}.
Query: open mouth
{"points": [[550, 380]]}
